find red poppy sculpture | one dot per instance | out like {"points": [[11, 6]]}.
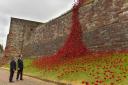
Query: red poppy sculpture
{"points": [[73, 47]]}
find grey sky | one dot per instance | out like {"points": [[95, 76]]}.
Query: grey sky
{"points": [[35, 10]]}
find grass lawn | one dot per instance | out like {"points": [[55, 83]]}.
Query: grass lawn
{"points": [[110, 70]]}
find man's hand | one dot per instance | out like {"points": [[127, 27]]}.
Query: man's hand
{"points": [[18, 68]]}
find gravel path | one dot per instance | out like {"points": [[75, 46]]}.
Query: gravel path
{"points": [[4, 75]]}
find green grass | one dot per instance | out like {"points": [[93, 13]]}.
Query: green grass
{"points": [[85, 69]]}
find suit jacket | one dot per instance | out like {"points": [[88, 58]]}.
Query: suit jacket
{"points": [[12, 65], [20, 64]]}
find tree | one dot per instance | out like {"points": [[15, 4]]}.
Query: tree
{"points": [[1, 48]]}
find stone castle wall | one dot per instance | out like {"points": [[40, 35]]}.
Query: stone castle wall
{"points": [[19, 34], [104, 24]]}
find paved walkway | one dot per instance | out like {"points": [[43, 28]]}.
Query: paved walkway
{"points": [[4, 75]]}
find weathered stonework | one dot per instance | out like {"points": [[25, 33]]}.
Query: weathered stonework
{"points": [[104, 24], [20, 32]]}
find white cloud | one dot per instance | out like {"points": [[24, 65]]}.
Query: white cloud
{"points": [[4, 28], [37, 10]]}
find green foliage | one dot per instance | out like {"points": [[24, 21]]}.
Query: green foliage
{"points": [[1, 48]]}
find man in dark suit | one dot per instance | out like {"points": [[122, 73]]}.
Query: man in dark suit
{"points": [[20, 68], [12, 69]]}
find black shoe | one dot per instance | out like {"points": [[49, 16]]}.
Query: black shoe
{"points": [[21, 79], [11, 81]]}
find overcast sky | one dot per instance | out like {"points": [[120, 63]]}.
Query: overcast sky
{"points": [[35, 10]]}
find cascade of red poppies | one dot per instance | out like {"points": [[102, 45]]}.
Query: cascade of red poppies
{"points": [[73, 47]]}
